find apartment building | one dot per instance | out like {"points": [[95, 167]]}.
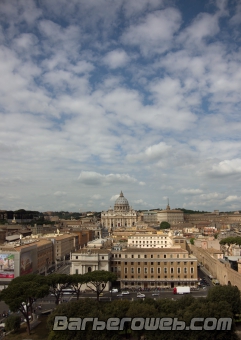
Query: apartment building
{"points": [[151, 268], [64, 245], [140, 268], [162, 240]]}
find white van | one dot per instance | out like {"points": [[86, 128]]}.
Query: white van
{"points": [[114, 290]]}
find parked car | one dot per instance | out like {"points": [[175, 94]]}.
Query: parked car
{"points": [[119, 294], [140, 295], [125, 292], [155, 294]]}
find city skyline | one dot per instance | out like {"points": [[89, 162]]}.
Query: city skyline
{"points": [[103, 96]]}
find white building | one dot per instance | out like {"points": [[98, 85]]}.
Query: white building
{"points": [[88, 260], [121, 216]]}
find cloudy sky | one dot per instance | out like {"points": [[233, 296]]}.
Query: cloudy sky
{"points": [[102, 96]]}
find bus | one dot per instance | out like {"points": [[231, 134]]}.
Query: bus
{"points": [[215, 282], [68, 291]]}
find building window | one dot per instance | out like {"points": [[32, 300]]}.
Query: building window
{"points": [[89, 269], [165, 256], [76, 271]]}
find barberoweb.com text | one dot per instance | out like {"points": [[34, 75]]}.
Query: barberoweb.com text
{"points": [[62, 323]]}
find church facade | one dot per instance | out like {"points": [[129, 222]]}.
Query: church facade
{"points": [[122, 215]]}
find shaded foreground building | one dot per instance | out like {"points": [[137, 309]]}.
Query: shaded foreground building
{"points": [[140, 268]]}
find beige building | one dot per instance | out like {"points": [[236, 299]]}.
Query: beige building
{"points": [[144, 240], [152, 268], [140, 268], [121, 216], [63, 244], [172, 216], [150, 217], [25, 256]]}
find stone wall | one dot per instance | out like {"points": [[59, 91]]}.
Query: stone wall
{"points": [[217, 269]]}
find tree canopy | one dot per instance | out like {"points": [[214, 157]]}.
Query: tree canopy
{"points": [[98, 279], [21, 294], [183, 309], [165, 225], [231, 240]]}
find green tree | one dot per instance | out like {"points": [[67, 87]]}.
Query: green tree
{"points": [[13, 322], [21, 294], [165, 225], [56, 283], [76, 281], [192, 240], [230, 294], [231, 240], [98, 279]]}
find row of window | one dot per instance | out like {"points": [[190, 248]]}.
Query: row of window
{"points": [[165, 277], [164, 256], [150, 241], [158, 263], [148, 237], [172, 270]]}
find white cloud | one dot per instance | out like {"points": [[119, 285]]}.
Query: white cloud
{"points": [[94, 178], [116, 58], [232, 198], [154, 33], [190, 191], [60, 193], [152, 153], [96, 197], [127, 95], [227, 167]]}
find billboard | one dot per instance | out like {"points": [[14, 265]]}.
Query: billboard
{"points": [[26, 266], [6, 266]]}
